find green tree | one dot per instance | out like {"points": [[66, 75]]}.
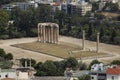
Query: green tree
{"points": [[99, 16], [113, 6], [9, 56], [4, 18], [50, 67], [90, 31], [118, 18], [85, 77], [46, 69], [95, 6], [115, 62], [113, 35], [101, 32], [71, 62], [82, 66], [2, 53], [93, 62], [6, 64]]}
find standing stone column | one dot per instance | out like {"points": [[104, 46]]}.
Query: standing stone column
{"points": [[47, 34], [25, 63], [41, 29], [44, 33], [51, 34], [83, 40], [54, 35], [57, 33], [97, 48], [38, 33]]}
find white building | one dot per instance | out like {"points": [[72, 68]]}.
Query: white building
{"points": [[24, 73], [77, 7], [98, 72], [113, 1], [113, 73], [94, 0], [84, 6], [44, 1], [21, 5], [56, 6], [101, 5], [8, 73], [103, 72]]}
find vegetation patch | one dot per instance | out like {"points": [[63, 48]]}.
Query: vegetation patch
{"points": [[62, 50]]}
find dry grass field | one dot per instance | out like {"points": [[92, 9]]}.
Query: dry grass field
{"points": [[83, 54], [108, 14], [62, 50]]}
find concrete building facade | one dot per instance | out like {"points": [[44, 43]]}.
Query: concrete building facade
{"points": [[8, 73], [80, 8]]}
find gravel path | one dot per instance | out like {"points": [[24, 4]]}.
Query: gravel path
{"points": [[105, 48], [20, 53]]}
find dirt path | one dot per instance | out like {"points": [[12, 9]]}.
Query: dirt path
{"points": [[106, 48], [20, 53]]}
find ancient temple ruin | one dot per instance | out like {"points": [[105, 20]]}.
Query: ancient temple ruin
{"points": [[48, 32]]}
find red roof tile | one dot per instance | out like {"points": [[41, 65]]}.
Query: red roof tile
{"points": [[114, 71], [56, 4]]}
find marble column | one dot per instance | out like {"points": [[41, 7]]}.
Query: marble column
{"points": [[51, 34], [44, 34], [54, 35], [38, 33], [25, 63], [97, 47], [55, 38], [48, 35], [83, 40], [41, 33], [57, 33]]}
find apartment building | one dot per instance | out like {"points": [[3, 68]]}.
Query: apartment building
{"points": [[80, 8]]}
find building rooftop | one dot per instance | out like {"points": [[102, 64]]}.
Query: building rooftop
{"points": [[49, 78], [8, 70], [8, 79], [80, 73], [113, 71]]}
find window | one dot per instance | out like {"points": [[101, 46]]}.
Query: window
{"points": [[113, 78], [92, 77], [6, 76]]}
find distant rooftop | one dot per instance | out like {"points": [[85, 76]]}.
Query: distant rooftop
{"points": [[113, 71], [50, 78], [7, 70]]}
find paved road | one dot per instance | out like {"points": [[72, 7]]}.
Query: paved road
{"points": [[20, 53]]}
